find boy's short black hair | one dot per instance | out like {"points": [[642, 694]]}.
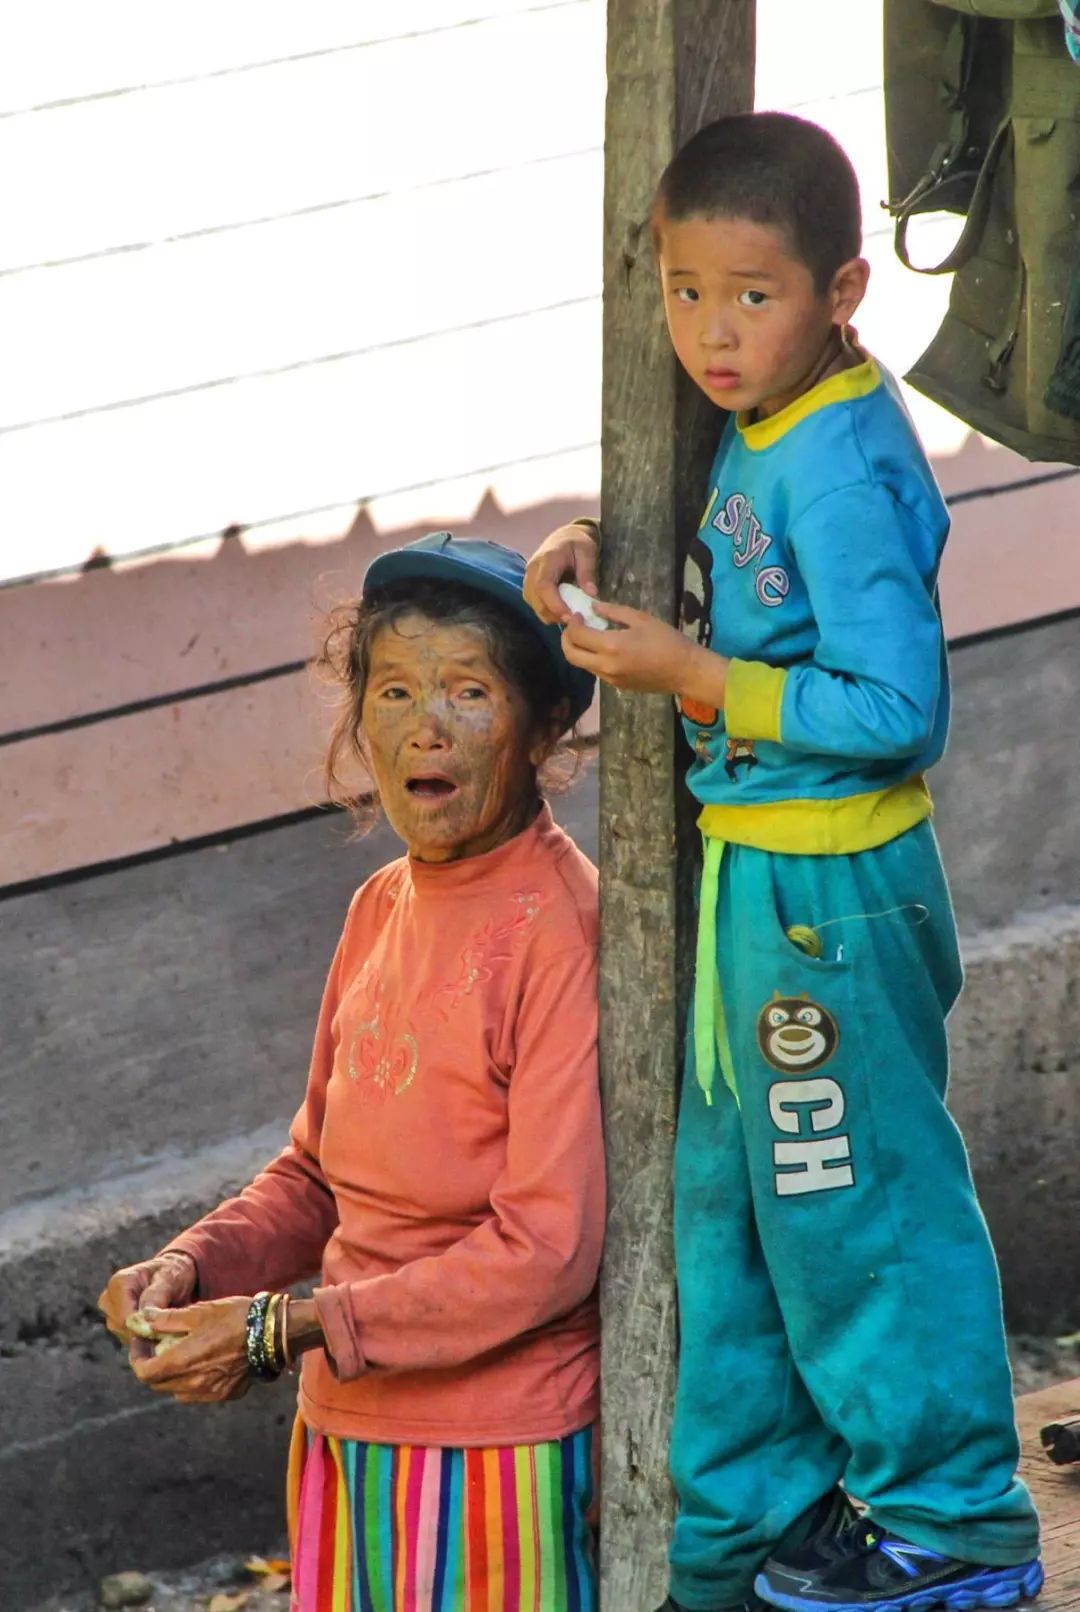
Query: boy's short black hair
{"points": [[775, 169]]}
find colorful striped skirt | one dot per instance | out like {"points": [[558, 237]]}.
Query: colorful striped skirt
{"points": [[409, 1528]]}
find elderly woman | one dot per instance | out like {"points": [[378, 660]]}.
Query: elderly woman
{"points": [[444, 1172]]}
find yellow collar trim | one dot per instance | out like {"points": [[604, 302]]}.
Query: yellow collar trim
{"points": [[843, 388]]}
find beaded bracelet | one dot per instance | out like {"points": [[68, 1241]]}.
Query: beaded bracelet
{"points": [[261, 1362], [271, 1353]]}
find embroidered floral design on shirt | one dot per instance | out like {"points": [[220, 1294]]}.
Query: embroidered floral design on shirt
{"points": [[383, 1057], [394, 888], [492, 943], [380, 1046]]}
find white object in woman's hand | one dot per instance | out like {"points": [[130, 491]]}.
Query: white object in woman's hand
{"points": [[142, 1328], [577, 600], [166, 1281]]}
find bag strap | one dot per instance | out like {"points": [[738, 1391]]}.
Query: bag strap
{"points": [[933, 188], [952, 183]]}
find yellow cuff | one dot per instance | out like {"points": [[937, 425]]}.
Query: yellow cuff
{"points": [[752, 700]]}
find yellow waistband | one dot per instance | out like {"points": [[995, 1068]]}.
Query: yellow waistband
{"points": [[833, 827]]}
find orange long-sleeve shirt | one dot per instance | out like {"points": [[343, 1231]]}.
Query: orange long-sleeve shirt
{"points": [[445, 1171]]}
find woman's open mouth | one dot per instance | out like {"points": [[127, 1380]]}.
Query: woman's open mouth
{"points": [[432, 787]]}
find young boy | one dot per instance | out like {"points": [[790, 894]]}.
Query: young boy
{"points": [[839, 1301]]}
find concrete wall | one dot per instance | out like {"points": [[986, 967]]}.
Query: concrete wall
{"points": [[1015, 1038]]}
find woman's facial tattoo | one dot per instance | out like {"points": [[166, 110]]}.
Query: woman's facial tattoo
{"points": [[451, 742]]}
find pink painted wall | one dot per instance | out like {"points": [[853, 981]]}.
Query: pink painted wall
{"points": [[196, 766]]}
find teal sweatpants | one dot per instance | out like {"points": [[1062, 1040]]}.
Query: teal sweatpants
{"points": [[839, 1302]]}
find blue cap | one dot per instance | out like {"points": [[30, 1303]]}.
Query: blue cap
{"points": [[489, 568]]}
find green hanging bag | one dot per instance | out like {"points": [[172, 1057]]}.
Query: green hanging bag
{"points": [[982, 108]]}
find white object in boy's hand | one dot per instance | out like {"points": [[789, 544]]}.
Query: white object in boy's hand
{"points": [[577, 600]]}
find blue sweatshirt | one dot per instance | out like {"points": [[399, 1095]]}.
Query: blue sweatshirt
{"points": [[815, 568]]}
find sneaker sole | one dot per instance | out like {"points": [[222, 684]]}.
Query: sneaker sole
{"points": [[994, 1587]]}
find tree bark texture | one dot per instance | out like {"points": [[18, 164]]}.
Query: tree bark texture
{"points": [[672, 65]]}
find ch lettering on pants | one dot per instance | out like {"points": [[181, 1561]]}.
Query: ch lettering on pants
{"points": [[795, 1036]]}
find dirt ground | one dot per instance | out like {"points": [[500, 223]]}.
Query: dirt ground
{"points": [[222, 1584], [1040, 1362], [225, 1585]]}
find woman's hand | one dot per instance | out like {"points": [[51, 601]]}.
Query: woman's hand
{"points": [[568, 555], [208, 1363], [166, 1282]]}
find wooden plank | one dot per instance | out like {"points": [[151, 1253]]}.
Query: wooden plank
{"points": [[197, 765], [994, 574], [321, 435], [1056, 1492], [126, 46], [200, 766], [1010, 845], [670, 69], [103, 638], [413, 111], [163, 776], [296, 290]]}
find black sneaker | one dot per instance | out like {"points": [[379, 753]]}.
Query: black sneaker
{"points": [[814, 1532], [874, 1569], [823, 1535]]}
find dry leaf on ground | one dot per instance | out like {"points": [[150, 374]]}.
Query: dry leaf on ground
{"points": [[228, 1602], [263, 1565]]}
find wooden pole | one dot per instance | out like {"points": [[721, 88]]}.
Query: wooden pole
{"points": [[672, 66]]}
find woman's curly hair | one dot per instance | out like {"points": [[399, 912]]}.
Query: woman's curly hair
{"points": [[345, 662]]}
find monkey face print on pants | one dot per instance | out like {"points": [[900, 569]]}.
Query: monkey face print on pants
{"points": [[797, 1036]]}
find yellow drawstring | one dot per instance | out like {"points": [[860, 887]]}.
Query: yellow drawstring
{"points": [[711, 1044]]}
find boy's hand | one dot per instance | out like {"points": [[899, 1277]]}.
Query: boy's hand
{"points": [[568, 555], [647, 655]]}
